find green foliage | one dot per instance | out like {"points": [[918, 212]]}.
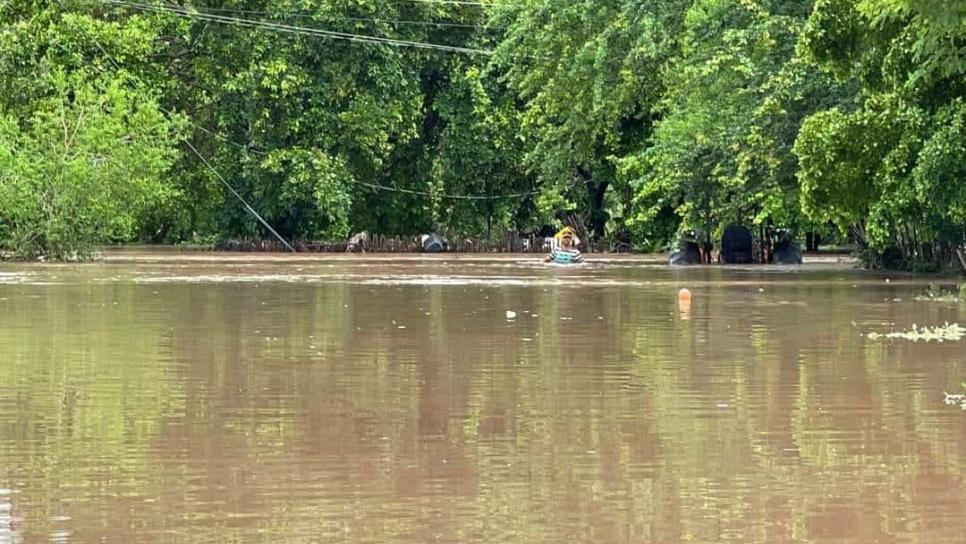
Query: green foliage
{"points": [[611, 115], [736, 96], [892, 170], [330, 109], [478, 153], [584, 73], [82, 168], [312, 197]]}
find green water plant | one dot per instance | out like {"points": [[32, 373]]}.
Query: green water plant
{"points": [[936, 294], [951, 332]]}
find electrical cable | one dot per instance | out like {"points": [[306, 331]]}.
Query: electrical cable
{"points": [[286, 28], [205, 161], [225, 139], [303, 15]]}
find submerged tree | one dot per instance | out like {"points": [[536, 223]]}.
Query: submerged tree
{"points": [[84, 147], [82, 168], [736, 96], [891, 171], [586, 76]]}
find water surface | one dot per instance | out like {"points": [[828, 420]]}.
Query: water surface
{"points": [[164, 397]]}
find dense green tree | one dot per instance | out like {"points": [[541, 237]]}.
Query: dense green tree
{"points": [[479, 153], [736, 96], [82, 168], [316, 115], [84, 148], [585, 74], [892, 170], [333, 117]]}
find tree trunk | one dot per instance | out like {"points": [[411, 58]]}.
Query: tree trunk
{"points": [[595, 192], [811, 241], [708, 245], [765, 244], [858, 232], [161, 233]]}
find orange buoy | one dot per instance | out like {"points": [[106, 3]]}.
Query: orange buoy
{"points": [[684, 304]]}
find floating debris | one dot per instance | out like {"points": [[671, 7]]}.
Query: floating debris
{"points": [[936, 294], [954, 399], [948, 331]]}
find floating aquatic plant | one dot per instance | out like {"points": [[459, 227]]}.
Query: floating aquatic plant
{"points": [[935, 294], [955, 399], [948, 331]]}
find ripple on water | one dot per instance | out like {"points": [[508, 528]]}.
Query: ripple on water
{"points": [[14, 277], [204, 410]]}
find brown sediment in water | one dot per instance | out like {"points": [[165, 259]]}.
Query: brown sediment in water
{"points": [[160, 396]]}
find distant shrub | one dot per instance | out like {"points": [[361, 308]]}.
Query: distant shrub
{"points": [[81, 168]]}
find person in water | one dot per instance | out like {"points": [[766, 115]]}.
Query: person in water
{"points": [[563, 248]]}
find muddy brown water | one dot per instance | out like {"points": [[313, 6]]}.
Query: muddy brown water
{"points": [[166, 397]]}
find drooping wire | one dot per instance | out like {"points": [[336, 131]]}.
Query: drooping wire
{"points": [[444, 195], [374, 186], [238, 196], [188, 143], [456, 2], [303, 15], [282, 27]]}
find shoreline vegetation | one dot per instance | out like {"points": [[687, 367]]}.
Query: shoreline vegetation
{"points": [[411, 245], [644, 126], [268, 250]]}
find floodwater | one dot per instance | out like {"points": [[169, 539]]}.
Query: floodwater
{"points": [[195, 397]]}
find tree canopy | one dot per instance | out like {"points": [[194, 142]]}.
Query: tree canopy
{"points": [[620, 118]]}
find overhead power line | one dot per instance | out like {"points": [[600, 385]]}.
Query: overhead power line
{"points": [[281, 27], [374, 186], [247, 148], [444, 195], [248, 207], [313, 16], [238, 196], [455, 2]]}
